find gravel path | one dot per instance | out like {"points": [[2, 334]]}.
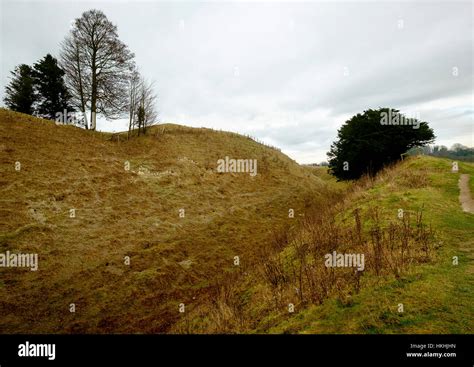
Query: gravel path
{"points": [[465, 198]]}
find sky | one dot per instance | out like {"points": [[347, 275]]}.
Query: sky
{"points": [[287, 73]]}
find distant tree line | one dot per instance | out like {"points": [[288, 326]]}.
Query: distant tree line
{"points": [[95, 74], [457, 152]]}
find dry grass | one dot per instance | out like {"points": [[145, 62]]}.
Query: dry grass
{"points": [[134, 213]]}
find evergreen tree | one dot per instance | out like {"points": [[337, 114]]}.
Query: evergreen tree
{"points": [[53, 96], [20, 93], [369, 141]]}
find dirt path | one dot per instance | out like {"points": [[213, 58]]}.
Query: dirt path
{"points": [[465, 198]]}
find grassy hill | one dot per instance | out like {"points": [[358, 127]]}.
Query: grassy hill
{"points": [[132, 213], [135, 214]]}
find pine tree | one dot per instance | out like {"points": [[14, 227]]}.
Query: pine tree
{"points": [[20, 92], [53, 96]]}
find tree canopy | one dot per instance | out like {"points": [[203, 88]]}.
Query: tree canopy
{"points": [[53, 97], [97, 65], [370, 140], [20, 93]]}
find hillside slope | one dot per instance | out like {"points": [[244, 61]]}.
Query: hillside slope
{"points": [[430, 290], [133, 214], [418, 275]]}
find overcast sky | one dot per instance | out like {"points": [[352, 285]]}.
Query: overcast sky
{"points": [[289, 74]]}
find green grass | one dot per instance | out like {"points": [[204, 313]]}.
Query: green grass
{"points": [[437, 297]]}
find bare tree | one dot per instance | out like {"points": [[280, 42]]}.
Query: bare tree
{"points": [[77, 79], [146, 113], [133, 93], [97, 66]]}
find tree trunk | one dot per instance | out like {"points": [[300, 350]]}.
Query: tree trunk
{"points": [[81, 91], [94, 90]]}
